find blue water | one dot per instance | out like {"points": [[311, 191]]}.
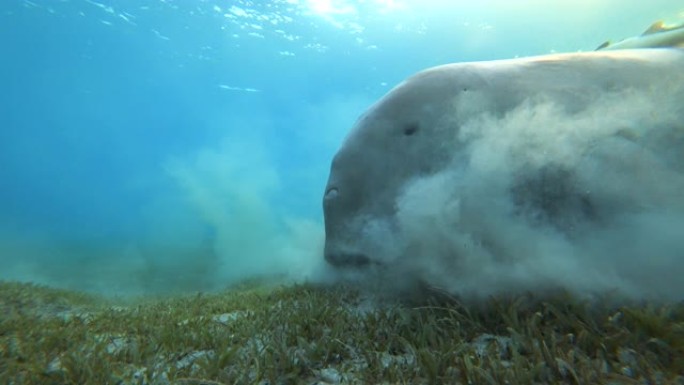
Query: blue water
{"points": [[163, 145]]}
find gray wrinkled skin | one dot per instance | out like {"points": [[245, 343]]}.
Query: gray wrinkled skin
{"points": [[414, 131]]}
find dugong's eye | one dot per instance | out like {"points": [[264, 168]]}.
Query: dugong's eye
{"points": [[411, 129]]}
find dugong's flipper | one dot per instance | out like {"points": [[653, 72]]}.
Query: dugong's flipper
{"points": [[658, 35]]}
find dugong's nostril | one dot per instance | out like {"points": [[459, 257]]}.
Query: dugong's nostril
{"points": [[331, 193]]}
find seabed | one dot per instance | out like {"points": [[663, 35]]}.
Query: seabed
{"points": [[308, 334]]}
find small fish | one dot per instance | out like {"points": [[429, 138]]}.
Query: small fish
{"points": [[658, 35]]}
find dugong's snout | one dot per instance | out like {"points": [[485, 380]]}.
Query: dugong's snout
{"points": [[335, 209]]}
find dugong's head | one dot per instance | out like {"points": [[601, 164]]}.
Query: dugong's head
{"points": [[410, 132]]}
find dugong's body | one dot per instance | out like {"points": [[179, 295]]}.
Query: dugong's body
{"points": [[504, 160]]}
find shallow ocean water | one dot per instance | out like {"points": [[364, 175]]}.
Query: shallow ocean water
{"points": [[156, 152], [166, 146]]}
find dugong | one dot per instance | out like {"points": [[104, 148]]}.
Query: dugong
{"points": [[574, 155]]}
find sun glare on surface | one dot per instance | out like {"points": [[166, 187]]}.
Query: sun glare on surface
{"points": [[390, 5], [328, 7], [339, 7]]}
